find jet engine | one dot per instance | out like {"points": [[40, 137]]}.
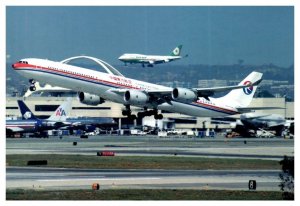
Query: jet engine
{"points": [[90, 99], [184, 95], [135, 97]]}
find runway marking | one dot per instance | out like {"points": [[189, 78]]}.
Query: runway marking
{"points": [[78, 179]]}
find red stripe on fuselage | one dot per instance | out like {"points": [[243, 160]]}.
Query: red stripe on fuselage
{"points": [[215, 107], [34, 67]]}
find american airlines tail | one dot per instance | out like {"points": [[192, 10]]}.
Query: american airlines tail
{"points": [[242, 97], [176, 51], [62, 112]]}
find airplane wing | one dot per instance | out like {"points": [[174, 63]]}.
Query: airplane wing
{"points": [[206, 92], [15, 129], [166, 95]]}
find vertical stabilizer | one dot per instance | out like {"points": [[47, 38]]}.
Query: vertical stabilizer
{"points": [[242, 97], [25, 111], [62, 112], [176, 51]]}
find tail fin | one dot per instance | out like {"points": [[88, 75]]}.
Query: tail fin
{"points": [[243, 97], [61, 113], [176, 51], [25, 111]]}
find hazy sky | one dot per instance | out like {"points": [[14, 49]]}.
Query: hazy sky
{"points": [[210, 35]]}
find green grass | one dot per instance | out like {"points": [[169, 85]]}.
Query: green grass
{"points": [[142, 194], [144, 162]]}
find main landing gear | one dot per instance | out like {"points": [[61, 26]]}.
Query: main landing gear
{"points": [[127, 112], [32, 85], [140, 115], [150, 113]]}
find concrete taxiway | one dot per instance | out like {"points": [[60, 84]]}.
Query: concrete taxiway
{"points": [[151, 145], [62, 178]]}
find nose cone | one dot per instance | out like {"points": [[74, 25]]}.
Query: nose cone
{"points": [[13, 65]]}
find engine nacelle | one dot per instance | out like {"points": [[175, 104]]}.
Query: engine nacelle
{"points": [[184, 95], [90, 99], [135, 97]]}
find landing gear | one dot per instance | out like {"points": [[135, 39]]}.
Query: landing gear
{"points": [[32, 81], [32, 85], [127, 112], [150, 113], [32, 88], [158, 116], [140, 115]]}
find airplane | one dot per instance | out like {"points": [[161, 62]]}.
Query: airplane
{"points": [[150, 60], [89, 124], [95, 87], [31, 124], [248, 124], [274, 122]]}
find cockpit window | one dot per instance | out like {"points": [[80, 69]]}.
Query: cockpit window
{"points": [[23, 62]]}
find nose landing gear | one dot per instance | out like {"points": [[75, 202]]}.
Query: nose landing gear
{"points": [[32, 85]]}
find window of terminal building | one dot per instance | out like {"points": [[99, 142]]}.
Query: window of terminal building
{"points": [[46, 108], [185, 121], [12, 108], [91, 108]]}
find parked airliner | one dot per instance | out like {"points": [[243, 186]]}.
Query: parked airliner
{"points": [[150, 60], [95, 87], [31, 124]]}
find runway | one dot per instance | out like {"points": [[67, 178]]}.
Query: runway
{"points": [[45, 178], [61, 178], [273, 149]]}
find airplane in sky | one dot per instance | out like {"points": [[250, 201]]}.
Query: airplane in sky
{"points": [[31, 124], [150, 60], [95, 87]]}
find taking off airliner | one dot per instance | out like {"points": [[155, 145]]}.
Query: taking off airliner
{"points": [[95, 87], [150, 60]]}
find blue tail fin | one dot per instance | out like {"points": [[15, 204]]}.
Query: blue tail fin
{"points": [[25, 111]]}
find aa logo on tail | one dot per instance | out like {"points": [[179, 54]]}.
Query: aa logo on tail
{"points": [[248, 90], [60, 112]]}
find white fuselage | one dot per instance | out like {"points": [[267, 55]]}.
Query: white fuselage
{"points": [[150, 59], [99, 83]]}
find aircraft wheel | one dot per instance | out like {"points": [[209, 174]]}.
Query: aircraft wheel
{"points": [[158, 116], [32, 81], [132, 117], [32, 88], [140, 115]]}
